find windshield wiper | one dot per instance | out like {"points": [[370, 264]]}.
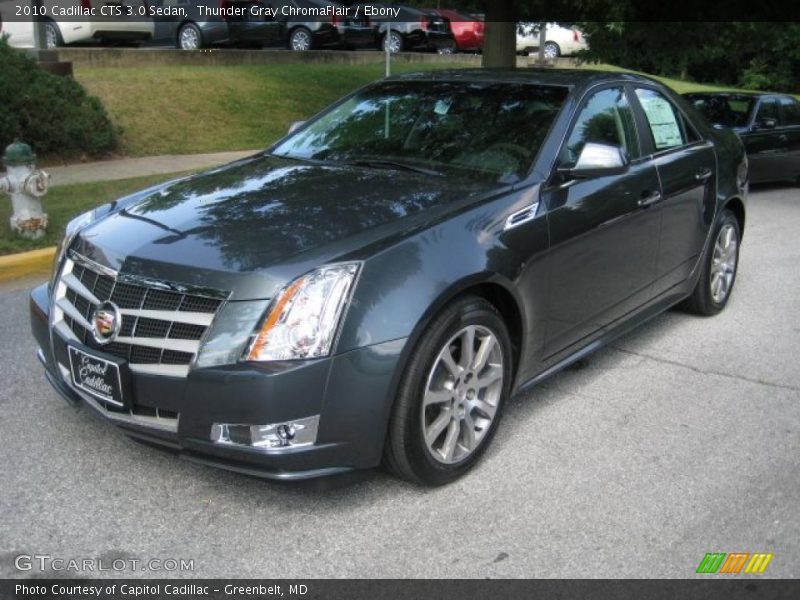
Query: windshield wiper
{"points": [[380, 163]]}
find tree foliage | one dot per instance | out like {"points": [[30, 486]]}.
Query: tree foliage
{"points": [[632, 34], [752, 55], [53, 114]]}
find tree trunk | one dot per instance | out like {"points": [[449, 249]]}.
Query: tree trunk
{"points": [[542, 40], [499, 44]]}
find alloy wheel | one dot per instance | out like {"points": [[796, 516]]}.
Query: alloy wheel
{"points": [[51, 35], [462, 393], [723, 263], [189, 39], [395, 43], [550, 51], [301, 41]]}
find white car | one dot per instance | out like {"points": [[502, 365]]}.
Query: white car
{"points": [[58, 32], [559, 40], [20, 33]]}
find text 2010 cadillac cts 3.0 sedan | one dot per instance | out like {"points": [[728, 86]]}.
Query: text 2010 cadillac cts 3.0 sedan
{"points": [[373, 287]]}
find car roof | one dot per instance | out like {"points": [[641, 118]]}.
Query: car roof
{"points": [[572, 78]]}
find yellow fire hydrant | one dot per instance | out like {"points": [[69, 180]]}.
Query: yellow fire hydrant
{"points": [[26, 185]]}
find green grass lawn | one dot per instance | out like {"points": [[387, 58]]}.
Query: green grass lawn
{"points": [[195, 109], [188, 110], [64, 202]]}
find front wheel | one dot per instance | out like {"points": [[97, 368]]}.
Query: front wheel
{"points": [[447, 48], [52, 35], [300, 40], [452, 394], [551, 50], [190, 37], [395, 42], [713, 289]]}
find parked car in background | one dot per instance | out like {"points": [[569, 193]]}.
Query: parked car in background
{"points": [[769, 125], [196, 31], [101, 30], [374, 287], [560, 40], [303, 33], [20, 33], [414, 29], [468, 31]]}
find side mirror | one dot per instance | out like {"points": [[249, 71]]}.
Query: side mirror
{"points": [[295, 126], [598, 160], [766, 123]]}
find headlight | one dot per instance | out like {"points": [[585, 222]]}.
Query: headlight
{"points": [[303, 319]]}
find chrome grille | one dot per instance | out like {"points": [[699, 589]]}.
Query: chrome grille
{"points": [[162, 324]]}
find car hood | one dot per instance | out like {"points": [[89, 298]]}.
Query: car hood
{"points": [[250, 226]]}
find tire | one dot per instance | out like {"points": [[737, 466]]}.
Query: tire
{"points": [[190, 37], [395, 41], [551, 50], [52, 35], [448, 48], [719, 269], [458, 412], [301, 40]]}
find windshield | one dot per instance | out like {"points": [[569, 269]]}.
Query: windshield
{"points": [[482, 130], [726, 110]]}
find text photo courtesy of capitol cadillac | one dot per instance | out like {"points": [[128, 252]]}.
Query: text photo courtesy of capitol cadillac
{"points": [[321, 299]]}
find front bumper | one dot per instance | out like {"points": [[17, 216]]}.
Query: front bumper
{"points": [[351, 393]]}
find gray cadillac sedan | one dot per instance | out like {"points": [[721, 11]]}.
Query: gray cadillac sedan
{"points": [[372, 288]]}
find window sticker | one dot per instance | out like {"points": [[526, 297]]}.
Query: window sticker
{"points": [[663, 123], [442, 107]]}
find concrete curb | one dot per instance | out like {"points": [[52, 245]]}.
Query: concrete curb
{"points": [[25, 264]]}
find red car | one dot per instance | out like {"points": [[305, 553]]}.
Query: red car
{"points": [[468, 31]]}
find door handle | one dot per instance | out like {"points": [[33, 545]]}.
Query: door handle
{"points": [[703, 175], [649, 200]]}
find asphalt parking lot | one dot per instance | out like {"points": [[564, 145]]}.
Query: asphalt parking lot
{"points": [[681, 439]]}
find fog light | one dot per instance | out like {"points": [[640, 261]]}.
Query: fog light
{"points": [[275, 436]]}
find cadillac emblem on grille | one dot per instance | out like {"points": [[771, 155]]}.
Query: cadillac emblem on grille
{"points": [[106, 321]]}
